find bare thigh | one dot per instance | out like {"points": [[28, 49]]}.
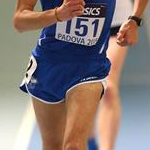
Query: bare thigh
{"points": [[51, 120], [82, 103]]}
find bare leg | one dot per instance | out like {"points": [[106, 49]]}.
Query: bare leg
{"points": [[92, 141], [82, 103], [110, 112], [51, 119]]}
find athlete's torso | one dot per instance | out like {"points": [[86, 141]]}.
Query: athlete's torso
{"points": [[85, 34]]}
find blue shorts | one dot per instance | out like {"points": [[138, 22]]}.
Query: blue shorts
{"points": [[49, 81]]}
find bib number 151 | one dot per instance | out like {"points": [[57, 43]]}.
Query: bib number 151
{"points": [[81, 28], [84, 30]]}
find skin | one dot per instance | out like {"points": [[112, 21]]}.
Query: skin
{"points": [[128, 33], [65, 129], [110, 112], [61, 126], [65, 126], [109, 116], [25, 19]]}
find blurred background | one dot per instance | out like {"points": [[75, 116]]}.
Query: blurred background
{"points": [[18, 130]]}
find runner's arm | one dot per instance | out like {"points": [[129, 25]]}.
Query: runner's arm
{"points": [[25, 18], [139, 7], [128, 33]]}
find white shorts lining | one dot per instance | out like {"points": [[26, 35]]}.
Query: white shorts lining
{"points": [[103, 81]]}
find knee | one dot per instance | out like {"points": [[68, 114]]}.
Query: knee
{"points": [[71, 146], [111, 94], [52, 144], [112, 89]]}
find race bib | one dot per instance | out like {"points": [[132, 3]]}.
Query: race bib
{"points": [[85, 29]]}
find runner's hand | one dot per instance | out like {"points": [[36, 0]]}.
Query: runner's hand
{"points": [[70, 9], [128, 33]]}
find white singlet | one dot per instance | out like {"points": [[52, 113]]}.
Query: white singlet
{"points": [[122, 12]]}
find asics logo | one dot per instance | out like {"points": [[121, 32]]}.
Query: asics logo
{"points": [[92, 11]]}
